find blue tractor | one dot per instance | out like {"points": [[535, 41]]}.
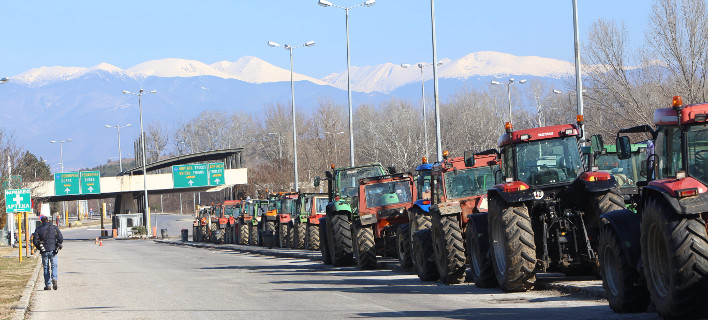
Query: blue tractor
{"points": [[418, 215]]}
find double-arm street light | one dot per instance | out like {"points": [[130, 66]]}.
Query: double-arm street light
{"points": [[61, 151], [422, 82], [292, 92], [120, 155], [146, 217], [368, 3], [508, 89]]}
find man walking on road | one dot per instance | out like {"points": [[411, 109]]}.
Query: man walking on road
{"points": [[48, 239]]}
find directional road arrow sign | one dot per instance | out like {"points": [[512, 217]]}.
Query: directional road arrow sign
{"points": [[191, 175], [66, 183], [216, 174], [90, 182], [18, 200]]}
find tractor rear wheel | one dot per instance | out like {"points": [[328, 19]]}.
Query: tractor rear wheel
{"points": [[364, 248], [213, 232], [291, 236], [313, 237], [253, 234], [675, 258], [449, 248], [481, 267], [424, 256], [324, 244], [242, 233], [619, 279], [299, 230], [418, 221], [339, 236], [403, 237], [283, 230], [512, 246]]}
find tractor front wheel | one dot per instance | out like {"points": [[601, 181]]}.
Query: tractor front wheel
{"points": [[675, 258], [253, 234], [298, 240], [313, 237], [365, 248], [242, 233], [403, 237], [283, 230], [339, 236], [424, 255], [449, 248], [324, 244], [620, 279], [481, 266], [512, 245]]}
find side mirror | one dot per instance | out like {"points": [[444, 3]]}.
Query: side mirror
{"points": [[328, 174], [597, 144], [624, 148], [317, 181], [391, 170], [643, 169]]}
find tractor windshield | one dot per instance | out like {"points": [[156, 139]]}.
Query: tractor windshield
{"points": [[387, 193], [697, 140], [548, 161], [423, 184], [232, 211], [349, 179], [624, 171], [320, 205], [288, 206], [469, 182]]}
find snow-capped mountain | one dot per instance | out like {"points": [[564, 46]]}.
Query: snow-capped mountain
{"points": [[255, 70], [389, 77]]}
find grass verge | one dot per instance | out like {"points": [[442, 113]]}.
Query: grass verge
{"points": [[13, 279]]}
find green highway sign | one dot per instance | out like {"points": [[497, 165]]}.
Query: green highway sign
{"points": [[216, 174], [190, 175], [18, 200], [16, 182], [66, 183], [90, 182]]}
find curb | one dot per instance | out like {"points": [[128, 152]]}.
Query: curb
{"points": [[22, 307], [590, 289]]}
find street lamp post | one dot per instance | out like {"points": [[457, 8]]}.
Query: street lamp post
{"points": [[61, 158], [578, 77], [280, 147], [422, 82], [368, 3], [120, 155], [334, 140], [292, 92], [146, 216], [508, 89]]}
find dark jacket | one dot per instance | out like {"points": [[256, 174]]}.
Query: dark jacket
{"points": [[48, 235]]}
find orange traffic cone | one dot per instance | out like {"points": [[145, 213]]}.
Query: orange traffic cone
{"points": [[100, 243]]}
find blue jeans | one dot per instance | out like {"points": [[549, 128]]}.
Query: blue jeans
{"points": [[48, 257]]}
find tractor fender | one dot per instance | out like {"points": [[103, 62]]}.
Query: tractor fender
{"points": [[599, 185], [420, 204], [313, 220], [510, 197], [283, 218], [367, 219], [340, 205], [686, 206], [626, 225], [481, 223], [446, 208]]}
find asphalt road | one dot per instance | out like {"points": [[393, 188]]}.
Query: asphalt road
{"points": [[141, 279], [172, 222]]}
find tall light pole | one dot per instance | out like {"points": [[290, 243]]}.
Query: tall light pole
{"points": [[508, 90], [292, 92], [334, 140], [146, 216], [61, 158], [368, 3], [280, 147], [438, 140], [422, 87], [120, 155], [578, 78]]}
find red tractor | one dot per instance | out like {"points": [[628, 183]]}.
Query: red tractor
{"points": [[200, 225], [545, 216], [662, 250], [458, 190], [232, 211], [285, 212], [381, 207], [217, 224], [310, 208]]}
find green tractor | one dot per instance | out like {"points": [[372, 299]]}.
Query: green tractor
{"points": [[303, 225], [335, 229], [627, 172]]}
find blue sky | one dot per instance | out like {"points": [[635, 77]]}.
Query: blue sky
{"points": [[126, 32]]}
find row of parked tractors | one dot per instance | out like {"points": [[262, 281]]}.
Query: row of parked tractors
{"points": [[633, 214]]}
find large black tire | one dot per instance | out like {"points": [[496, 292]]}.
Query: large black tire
{"points": [[339, 238], [364, 248], [481, 268], [449, 248], [218, 236], [242, 233], [675, 259], [291, 235], [213, 232], [601, 203], [620, 280], [512, 246], [195, 234], [425, 257], [253, 235], [283, 231], [313, 237], [403, 241], [324, 244], [269, 236], [299, 230], [419, 220]]}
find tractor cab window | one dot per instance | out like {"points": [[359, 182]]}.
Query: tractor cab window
{"points": [[436, 185], [469, 182], [229, 211], [349, 179], [507, 162], [624, 171], [387, 193], [697, 137], [549, 161], [288, 206], [321, 205], [423, 184], [669, 146]]}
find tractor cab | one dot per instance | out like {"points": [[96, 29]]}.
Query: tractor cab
{"points": [[422, 184], [385, 197]]}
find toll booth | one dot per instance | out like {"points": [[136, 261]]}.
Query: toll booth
{"points": [[124, 223]]}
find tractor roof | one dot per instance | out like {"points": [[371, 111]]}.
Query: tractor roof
{"points": [[232, 202], [361, 166], [459, 162], [424, 166], [695, 113], [533, 134], [386, 178]]}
